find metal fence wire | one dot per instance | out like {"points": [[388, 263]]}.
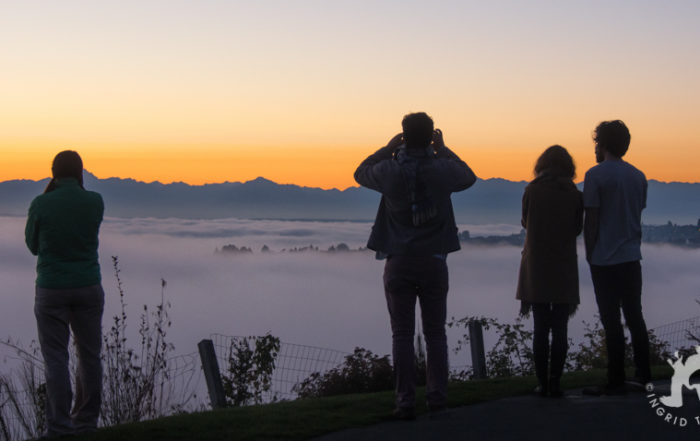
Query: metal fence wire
{"points": [[294, 363], [682, 334], [181, 391], [184, 378]]}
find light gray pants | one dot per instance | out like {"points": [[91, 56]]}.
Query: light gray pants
{"points": [[80, 310]]}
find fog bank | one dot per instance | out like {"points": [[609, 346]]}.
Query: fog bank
{"points": [[319, 299]]}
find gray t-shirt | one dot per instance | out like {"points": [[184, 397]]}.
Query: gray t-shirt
{"points": [[619, 191]]}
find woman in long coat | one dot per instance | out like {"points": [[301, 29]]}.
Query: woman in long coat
{"points": [[548, 282]]}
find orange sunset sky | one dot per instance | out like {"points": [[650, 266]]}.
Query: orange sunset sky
{"points": [[300, 92]]}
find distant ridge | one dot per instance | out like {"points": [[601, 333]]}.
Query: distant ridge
{"points": [[488, 201]]}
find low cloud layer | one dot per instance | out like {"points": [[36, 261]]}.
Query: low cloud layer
{"points": [[319, 299]]}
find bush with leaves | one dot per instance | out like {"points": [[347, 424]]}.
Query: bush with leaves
{"points": [[512, 354], [592, 352], [249, 373], [361, 372]]}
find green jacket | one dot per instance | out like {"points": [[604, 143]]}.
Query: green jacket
{"points": [[62, 230]]}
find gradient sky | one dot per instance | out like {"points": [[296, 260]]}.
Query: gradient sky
{"points": [[301, 91]]}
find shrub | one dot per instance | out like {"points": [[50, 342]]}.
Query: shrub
{"points": [[135, 382], [592, 352], [361, 372], [249, 373], [23, 396], [512, 354]]}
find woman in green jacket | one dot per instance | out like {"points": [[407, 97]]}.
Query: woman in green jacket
{"points": [[62, 229]]}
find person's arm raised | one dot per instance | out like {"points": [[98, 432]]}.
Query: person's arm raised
{"points": [[460, 175], [367, 174]]}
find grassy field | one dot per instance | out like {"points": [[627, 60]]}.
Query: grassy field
{"points": [[304, 419]]}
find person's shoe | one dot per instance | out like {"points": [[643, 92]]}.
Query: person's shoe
{"points": [[554, 388], [637, 384], [436, 411], [594, 391], [55, 437], [607, 390], [436, 408], [404, 413], [619, 389], [541, 390]]}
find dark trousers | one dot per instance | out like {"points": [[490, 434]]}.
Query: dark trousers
{"points": [[58, 311], [425, 278], [554, 318], [620, 286]]}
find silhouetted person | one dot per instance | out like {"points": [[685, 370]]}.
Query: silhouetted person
{"points": [[614, 194], [548, 282], [62, 230], [415, 229]]}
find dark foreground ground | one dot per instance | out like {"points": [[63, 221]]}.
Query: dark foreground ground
{"points": [[572, 418]]}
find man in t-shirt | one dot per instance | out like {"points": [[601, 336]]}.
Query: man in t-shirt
{"points": [[614, 194]]}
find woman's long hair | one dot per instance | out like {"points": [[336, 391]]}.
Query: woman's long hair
{"points": [[557, 162], [66, 164]]}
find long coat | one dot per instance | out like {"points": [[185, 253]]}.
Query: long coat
{"points": [[552, 218]]}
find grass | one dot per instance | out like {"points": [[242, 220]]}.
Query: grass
{"points": [[308, 418]]}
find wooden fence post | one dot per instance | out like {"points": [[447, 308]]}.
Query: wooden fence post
{"points": [[212, 373], [476, 341]]}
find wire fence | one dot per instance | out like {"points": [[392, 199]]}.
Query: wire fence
{"points": [[294, 363], [21, 414], [682, 334], [185, 389], [22, 393]]}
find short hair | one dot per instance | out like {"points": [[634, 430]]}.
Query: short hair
{"points": [[613, 136], [417, 130], [556, 161]]}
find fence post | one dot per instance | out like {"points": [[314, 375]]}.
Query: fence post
{"points": [[476, 341], [211, 373]]}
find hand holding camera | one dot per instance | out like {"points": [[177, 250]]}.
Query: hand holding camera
{"points": [[438, 143], [395, 142]]}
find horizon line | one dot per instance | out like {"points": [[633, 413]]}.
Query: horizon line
{"points": [[288, 183]]}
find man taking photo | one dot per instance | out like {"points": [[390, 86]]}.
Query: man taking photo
{"points": [[415, 229]]}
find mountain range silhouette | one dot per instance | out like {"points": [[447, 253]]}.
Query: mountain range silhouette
{"points": [[490, 201]]}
